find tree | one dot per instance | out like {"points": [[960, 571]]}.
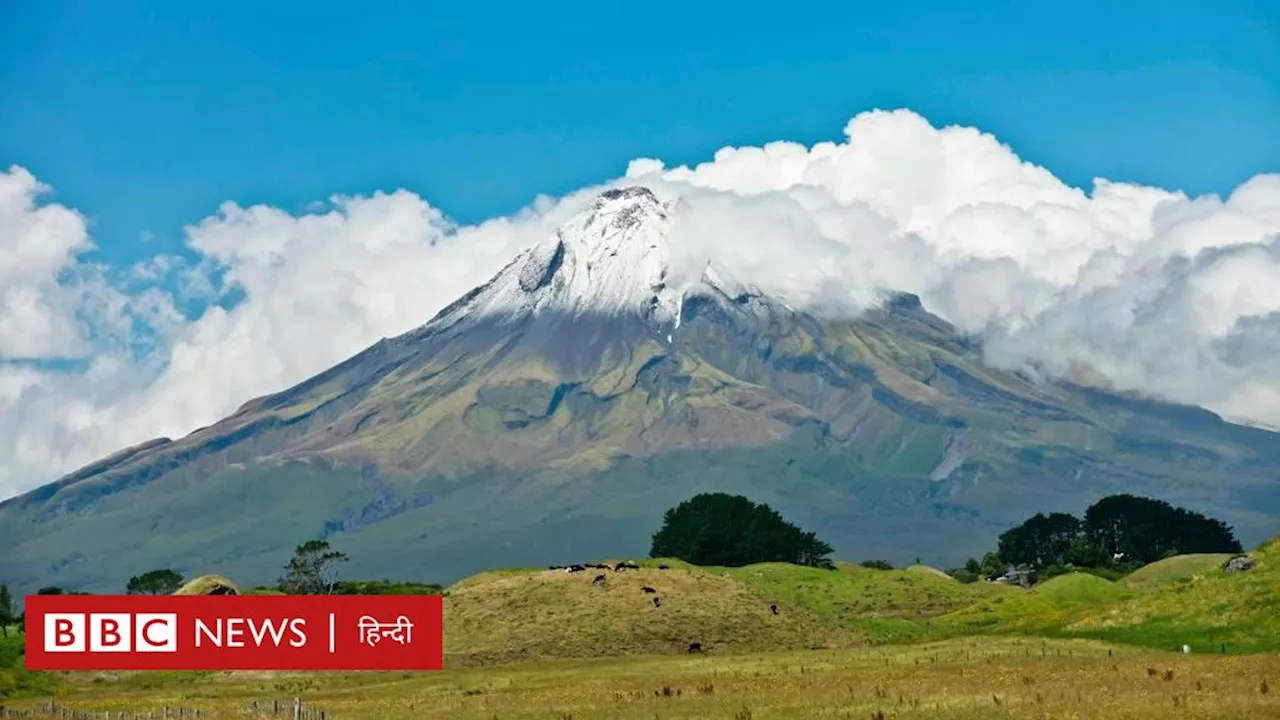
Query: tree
{"points": [[50, 590], [991, 567], [6, 609], [1146, 530], [732, 531], [312, 569], [155, 582], [1041, 541]]}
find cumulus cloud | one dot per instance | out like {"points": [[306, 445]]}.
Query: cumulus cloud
{"points": [[1150, 289]]}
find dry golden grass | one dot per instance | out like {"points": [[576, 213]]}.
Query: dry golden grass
{"points": [[505, 616], [960, 679]]}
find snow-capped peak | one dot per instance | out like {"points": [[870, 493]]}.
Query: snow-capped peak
{"points": [[612, 258]]}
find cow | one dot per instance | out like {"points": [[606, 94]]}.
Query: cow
{"points": [[695, 647], [648, 589], [599, 579], [657, 602], [664, 567], [574, 568], [626, 565], [774, 609]]}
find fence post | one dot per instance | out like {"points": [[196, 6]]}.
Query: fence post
{"points": [[297, 708]]}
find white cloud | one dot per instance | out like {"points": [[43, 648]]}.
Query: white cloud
{"points": [[1159, 292]]}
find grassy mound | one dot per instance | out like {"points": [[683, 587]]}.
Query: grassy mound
{"points": [[526, 613], [208, 585], [511, 615], [1172, 570], [1049, 605], [1206, 610], [882, 605]]}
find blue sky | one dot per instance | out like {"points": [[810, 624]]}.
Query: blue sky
{"points": [[145, 116]]}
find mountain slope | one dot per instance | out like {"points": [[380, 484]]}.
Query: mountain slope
{"points": [[569, 401]]}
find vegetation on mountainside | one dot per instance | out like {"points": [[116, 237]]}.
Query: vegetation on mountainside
{"points": [[731, 531]]}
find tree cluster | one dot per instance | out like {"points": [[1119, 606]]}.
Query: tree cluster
{"points": [[732, 531], [1118, 533]]}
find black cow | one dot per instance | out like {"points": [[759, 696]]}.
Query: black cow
{"points": [[774, 608], [575, 568], [664, 567], [648, 589], [695, 647], [657, 602], [599, 579]]}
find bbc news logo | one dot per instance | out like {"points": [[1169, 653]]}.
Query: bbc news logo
{"points": [[111, 632], [330, 632]]}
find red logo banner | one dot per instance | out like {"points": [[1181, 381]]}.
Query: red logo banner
{"points": [[238, 632]]}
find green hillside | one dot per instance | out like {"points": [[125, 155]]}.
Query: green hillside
{"points": [[1174, 569], [1206, 610], [524, 614]]}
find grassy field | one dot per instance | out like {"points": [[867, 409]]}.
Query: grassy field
{"points": [[851, 642], [959, 678]]}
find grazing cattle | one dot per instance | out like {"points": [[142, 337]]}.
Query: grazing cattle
{"points": [[626, 565], [657, 602], [555, 567], [599, 579], [774, 608], [574, 568], [664, 567], [695, 647], [648, 589]]}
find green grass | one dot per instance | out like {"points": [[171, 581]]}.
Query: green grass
{"points": [[969, 679], [522, 613], [1174, 569], [1206, 609]]}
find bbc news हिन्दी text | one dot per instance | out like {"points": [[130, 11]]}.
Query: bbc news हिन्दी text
{"points": [[302, 632]]}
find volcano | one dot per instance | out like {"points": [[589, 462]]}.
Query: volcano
{"points": [[555, 412]]}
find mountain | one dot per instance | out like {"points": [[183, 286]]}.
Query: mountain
{"points": [[556, 411]]}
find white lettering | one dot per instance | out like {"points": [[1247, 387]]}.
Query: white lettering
{"points": [[298, 626], [258, 632], [214, 636], [234, 632]]}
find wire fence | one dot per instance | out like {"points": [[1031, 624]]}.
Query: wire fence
{"points": [[54, 710], [294, 708]]}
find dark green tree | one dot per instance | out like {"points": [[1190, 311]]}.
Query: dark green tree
{"points": [[1146, 530], [6, 610], [312, 569], [50, 590], [991, 567], [155, 582], [1041, 541], [731, 531]]}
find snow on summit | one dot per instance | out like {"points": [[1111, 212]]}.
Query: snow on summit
{"points": [[612, 258]]}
